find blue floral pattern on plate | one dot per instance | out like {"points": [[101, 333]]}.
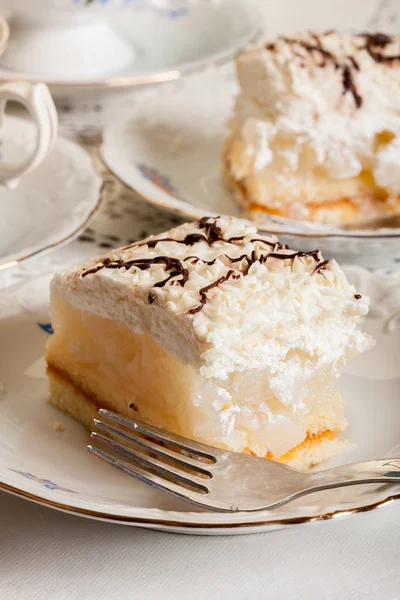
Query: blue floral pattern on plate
{"points": [[171, 13], [46, 327], [161, 181], [47, 483]]}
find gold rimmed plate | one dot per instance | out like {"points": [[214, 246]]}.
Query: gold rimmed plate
{"points": [[43, 452]]}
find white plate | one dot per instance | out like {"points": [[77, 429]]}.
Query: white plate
{"points": [[52, 204], [53, 468], [169, 152], [167, 46]]}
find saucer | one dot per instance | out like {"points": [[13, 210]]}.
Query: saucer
{"points": [[169, 152], [165, 45], [52, 204], [43, 453]]}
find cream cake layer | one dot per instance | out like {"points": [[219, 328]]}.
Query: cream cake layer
{"points": [[316, 127], [212, 331]]}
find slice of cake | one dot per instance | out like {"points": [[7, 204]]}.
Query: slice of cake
{"points": [[316, 128], [214, 332]]}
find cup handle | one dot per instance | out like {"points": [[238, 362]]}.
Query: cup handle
{"points": [[4, 35], [36, 98]]}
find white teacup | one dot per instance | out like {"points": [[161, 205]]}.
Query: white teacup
{"points": [[38, 102]]}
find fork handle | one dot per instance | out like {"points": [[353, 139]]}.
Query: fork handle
{"points": [[386, 470]]}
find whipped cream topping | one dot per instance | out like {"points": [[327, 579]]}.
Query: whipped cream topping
{"points": [[221, 296], [327, 101]]}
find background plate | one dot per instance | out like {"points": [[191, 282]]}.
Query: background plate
{"points": [[169, 152], [168, 46]]}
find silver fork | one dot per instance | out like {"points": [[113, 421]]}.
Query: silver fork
{"points": [[217, 479]]}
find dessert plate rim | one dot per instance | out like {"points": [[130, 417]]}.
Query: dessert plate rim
{"points": [[23, 308], [201, 527]]}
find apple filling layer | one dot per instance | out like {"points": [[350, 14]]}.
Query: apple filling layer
{"points": [[130, 373]]}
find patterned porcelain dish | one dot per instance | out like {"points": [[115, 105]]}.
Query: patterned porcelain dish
{"points": [[58, 197], [43, 453], [121, 43], [169, 152]]}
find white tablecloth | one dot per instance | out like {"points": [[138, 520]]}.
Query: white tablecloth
{"points": [[45, 554], [49, 555]]}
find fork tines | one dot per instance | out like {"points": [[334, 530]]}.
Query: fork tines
{"points": [[157, 457]]}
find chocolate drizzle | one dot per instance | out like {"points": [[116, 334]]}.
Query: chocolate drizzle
{"points": [[283, 256], [243, 257], [381, 40], [105, 263], [213, 234], [320, 267], [350, 86], [173, 265], [354, 63], [213, 231], [203, 291], [271, 244], [189, 240], [322, 56], [196, 259], [375, 44], [178, 274]]}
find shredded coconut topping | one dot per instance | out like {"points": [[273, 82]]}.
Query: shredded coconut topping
{"points": [[224, 297]]}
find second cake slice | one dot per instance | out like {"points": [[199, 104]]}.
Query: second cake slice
{"points": [[315, 134]]}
